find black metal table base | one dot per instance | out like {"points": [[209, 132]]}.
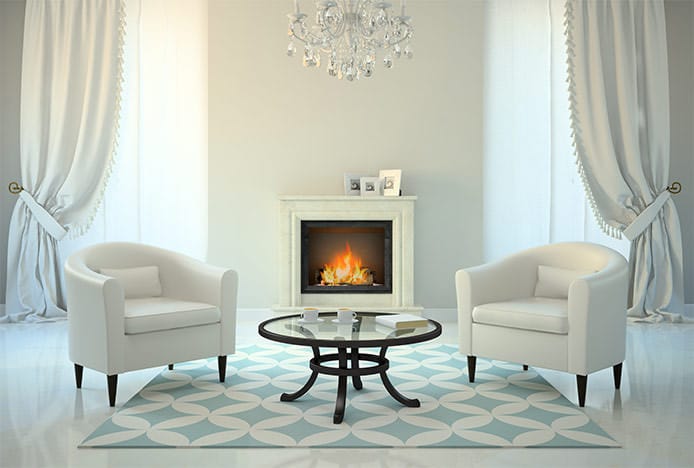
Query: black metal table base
{"points": [[343, 372]]}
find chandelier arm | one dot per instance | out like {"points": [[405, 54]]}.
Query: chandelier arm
{"points": [[310, 39], [337, 34], [327, 35], [396, 42], [360, 28], [315, 40], [299, 38], [342, 24]]}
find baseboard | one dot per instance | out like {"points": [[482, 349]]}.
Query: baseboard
{"points": [[254, 315], [415, 309], [258, 315], [441, 315]]}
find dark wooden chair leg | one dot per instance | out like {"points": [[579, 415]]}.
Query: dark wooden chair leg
{"points": [[617, 373], [471, 363], [112, 385], [525, 367], [222, 365], [170, 366], [79, 370], [582, 383]]}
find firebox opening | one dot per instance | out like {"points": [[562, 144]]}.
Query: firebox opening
{"points": [[346, 257]]}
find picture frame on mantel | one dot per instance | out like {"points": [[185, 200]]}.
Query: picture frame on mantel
{"points": [[353, 184], [390, 178], [370, 186]]}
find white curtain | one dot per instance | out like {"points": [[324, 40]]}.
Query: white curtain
{"points": [[620, 110], [71, 64], [157, 193], [532, 192], [158, 189]]}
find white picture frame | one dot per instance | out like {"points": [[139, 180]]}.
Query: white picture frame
{"points": [[352, 184], [390, 180], [370, 186]]}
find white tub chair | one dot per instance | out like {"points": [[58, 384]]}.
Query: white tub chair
{"points": [[559, 306], [134, 306]]}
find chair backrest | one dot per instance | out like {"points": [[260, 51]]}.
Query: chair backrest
{"points": [[127, 255], [119, 255], [558, 265], [580, 256]]}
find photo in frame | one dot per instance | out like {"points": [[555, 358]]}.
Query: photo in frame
{"points": [[370, 186], [390, 180], [353, 184]]}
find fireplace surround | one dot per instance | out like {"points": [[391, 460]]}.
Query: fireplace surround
{"points": [[363, 213]]}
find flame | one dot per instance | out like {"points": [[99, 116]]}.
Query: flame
{"points": [[344, 269]]}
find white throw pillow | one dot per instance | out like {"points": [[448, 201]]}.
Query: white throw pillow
{"points": [[554, 282], [136, 282]]}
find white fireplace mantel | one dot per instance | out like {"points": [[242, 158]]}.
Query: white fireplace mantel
{"points": [[297, 208]]}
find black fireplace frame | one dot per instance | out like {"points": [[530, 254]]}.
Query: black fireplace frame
{"points": [[385, 288]]}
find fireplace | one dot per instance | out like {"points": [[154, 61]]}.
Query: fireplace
{"points": [[346, 257], [387, 283]]}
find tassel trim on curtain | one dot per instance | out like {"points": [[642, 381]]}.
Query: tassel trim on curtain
{"points": [[81, 228], [577, 141]]}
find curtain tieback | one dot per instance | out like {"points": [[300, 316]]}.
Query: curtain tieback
{"points": [[646, 217], [44, 218]]}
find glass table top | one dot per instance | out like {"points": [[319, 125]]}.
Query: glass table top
{"points": [[364, 331]]}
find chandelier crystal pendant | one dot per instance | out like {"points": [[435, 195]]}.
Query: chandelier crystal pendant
{"points": [[349, 33]]}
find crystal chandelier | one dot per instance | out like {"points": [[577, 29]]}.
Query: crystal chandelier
{"points": [[348, 33]]}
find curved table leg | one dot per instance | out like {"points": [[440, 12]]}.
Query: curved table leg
{"points": [[410, 402], [341, 388], [309, 383], [302, 390], [356, 380]]}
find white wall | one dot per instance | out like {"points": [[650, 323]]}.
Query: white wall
{"points": [[11, 30], [277, 128], [679, 16], [272, 124]]}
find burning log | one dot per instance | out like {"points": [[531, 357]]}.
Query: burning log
{"points": [[365, 277]]}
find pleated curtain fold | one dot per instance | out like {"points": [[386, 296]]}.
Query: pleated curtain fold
{"points": [[619, 102], [70, 97]]}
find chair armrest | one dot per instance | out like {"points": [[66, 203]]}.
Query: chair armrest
{"points": [[511, 277], [193, 280], [190, 279], [95, 308], [597, 319]]}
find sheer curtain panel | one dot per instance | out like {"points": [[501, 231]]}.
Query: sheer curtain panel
{"points": [[532, 192], [70, 92], [158, 189]]}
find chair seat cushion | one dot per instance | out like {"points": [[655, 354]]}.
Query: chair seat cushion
{"points": [[531, 313], [151, 314]]}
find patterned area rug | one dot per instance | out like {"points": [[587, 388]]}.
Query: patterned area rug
{"points": [[188, 407]]}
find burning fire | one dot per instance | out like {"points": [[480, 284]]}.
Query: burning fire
{"points": [[345, 269]]}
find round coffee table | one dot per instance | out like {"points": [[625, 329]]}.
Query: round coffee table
{"points": [[364, 332]]}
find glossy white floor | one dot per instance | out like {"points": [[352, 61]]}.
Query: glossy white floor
{"points": [[43, 417]]}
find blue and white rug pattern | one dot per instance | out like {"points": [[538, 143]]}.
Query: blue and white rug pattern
{"points": [[189, 407]]}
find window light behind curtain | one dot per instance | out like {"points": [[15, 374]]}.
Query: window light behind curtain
{"points": [[533, 193], [158, 190]]}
